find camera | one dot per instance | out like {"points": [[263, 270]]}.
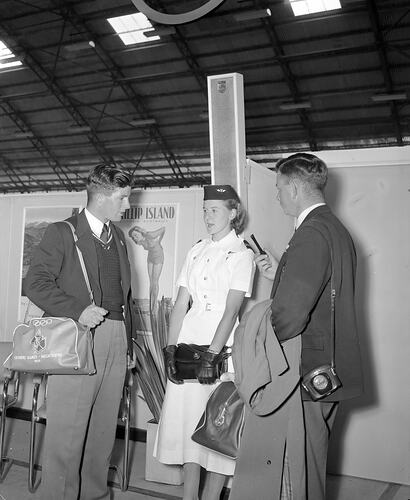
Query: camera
{"points": [[321, 382]]}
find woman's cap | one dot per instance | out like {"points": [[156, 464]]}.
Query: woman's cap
{"points": [[220, 192]]}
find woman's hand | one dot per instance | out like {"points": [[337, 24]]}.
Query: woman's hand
{"points": [[207, 370], [169, 362], [227, 377]]}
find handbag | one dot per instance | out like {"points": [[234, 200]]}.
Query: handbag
{"points": [[220, 426], [56, 346], [188, 360]]}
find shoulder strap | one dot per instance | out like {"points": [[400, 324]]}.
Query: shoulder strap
{"points": [[82, 263], [318, 227]]}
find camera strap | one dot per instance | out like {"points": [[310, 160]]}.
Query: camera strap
{"points": [[332, 298], [332, 316]]}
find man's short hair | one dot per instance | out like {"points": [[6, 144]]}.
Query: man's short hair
{"points": [[306, 167], [105, 178]]}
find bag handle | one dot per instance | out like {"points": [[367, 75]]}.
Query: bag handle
{"points": [[82, 263]]}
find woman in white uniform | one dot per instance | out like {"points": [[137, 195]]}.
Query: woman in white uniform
{"points": [[216, 276]]}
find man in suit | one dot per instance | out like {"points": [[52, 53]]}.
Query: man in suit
{"points": [[301, 300], [82, 410]]}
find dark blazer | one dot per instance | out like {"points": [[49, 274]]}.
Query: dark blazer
{"points": [[301, 299], [55, 281]]}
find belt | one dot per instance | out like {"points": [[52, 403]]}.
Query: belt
{"points": [[115, 315], [208, 306]]}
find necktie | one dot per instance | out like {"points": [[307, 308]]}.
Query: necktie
{"points": [[105, 234]]}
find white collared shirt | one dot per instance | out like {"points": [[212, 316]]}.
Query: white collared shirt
{"points": [[95, 224], [212, 268], [305, 213]]}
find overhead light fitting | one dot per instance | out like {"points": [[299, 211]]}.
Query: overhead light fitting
{"points": [[158, 32], [24, 134], [288, 106], [78, 129], [143, 122], [305, 7], [401, 96], [78, 46], [248, 15]]}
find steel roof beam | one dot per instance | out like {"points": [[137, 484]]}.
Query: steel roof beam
{"points": [[137, 100], [54, 88], [287, 73], [380, 44], [14, 177], [38, 143]]}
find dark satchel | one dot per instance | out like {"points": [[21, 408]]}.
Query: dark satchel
{"points": [[221, 425], [188, 360]]}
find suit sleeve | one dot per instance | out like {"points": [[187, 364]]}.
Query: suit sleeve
{"points": [[42, 283], [303, 277]]}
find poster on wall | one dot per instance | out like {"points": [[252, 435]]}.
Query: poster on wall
{"points": [[150, 230], [36, 220]]}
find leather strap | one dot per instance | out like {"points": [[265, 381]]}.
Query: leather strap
{"points": [[82, 263]]}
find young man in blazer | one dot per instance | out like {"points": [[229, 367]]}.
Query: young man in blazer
{"points": [[82, 410], [301, 300]]}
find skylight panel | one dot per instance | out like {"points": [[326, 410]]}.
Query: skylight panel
{"points": [[304, 7], [131, 28], [7, 58]]}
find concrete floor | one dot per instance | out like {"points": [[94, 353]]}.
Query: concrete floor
{"points": [[14, 486]]}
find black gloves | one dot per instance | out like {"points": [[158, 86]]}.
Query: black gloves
{"points": [[169, 361], [207, 370]]}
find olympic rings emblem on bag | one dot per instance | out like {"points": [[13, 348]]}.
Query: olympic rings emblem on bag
{"points": [[41, 322]]}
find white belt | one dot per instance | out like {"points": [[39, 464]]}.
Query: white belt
{"points": [[207, 306]]}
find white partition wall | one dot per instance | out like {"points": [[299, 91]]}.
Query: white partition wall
{"points": [[369, 191], [266, 221]]}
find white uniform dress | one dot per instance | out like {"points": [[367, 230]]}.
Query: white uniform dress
{"points": [[211, 269]]}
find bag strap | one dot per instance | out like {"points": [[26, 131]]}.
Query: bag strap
{"points": [[332, 299], [82, 263], [332, 315]]}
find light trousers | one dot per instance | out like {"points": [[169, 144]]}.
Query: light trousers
{"points": [[82, 413]]}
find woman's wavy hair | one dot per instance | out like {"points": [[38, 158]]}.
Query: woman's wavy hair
{"points": [[239, 222]]}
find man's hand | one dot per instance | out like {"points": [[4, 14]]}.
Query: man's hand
{"points": [[206, 373], [267, 265], [92, 316], [169, 361]]}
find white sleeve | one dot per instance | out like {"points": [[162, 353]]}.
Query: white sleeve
{"points": [[242, 269], [183, 275]]}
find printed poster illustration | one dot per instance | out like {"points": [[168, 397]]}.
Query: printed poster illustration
{"points": [[150, 230]]}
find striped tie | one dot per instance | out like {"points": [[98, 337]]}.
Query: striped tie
{"points": [[105, 234]]}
